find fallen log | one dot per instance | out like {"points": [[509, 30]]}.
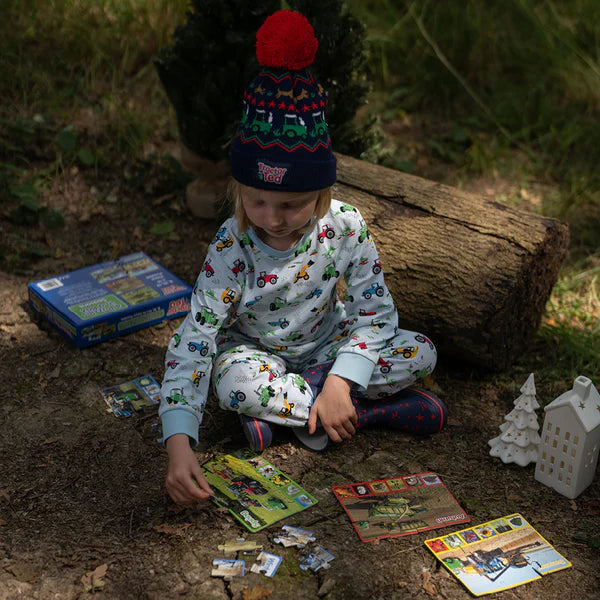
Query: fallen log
{"points": [[471, 273]]}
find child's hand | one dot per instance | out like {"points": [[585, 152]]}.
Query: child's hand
{"points": [[185, 481], [334, 408]]}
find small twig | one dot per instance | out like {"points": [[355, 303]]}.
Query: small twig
{"points": [[407, 550], [131, 521]]}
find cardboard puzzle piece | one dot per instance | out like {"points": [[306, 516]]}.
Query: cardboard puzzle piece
{"points": [[294, 536], [227, 568], [266, 563], [240, 545], [317, 558]]}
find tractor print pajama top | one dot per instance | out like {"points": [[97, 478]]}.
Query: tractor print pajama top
{"points": [[262, 320]]}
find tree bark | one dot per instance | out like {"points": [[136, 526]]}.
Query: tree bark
{"points": [[472, 274]]}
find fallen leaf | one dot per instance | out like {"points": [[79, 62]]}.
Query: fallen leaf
{"points": [[94, 580], [428, 585], [258, 592], [4, 495], [573, 504], [171, 529], [3, 522]]}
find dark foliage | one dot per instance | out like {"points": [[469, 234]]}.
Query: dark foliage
{"points": [[212, 60]]}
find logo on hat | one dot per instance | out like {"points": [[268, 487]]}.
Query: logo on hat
{"points": [[270, 174]]}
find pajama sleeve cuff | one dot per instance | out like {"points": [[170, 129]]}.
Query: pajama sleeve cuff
{"points": [[354, 367], [180, 421]]}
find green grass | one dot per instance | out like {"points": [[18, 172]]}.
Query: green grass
{"points": [[511, 90], [506, 89], [85, 64]]}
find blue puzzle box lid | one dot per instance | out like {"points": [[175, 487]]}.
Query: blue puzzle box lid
{"points": [[108, 299]]}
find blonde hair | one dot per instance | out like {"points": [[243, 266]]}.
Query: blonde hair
{"points": [[234, 195]]}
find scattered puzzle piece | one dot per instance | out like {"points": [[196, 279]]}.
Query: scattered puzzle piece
{"points": [[240, 545], [266, 563], [316, 559], [227, 568], [294, 536]]}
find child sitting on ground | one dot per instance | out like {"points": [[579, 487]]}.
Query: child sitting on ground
{"points": [[266, 324]]}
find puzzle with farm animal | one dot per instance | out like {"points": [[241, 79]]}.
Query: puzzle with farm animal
{"points": [[497, 555], [399, 506], [253, 490]]}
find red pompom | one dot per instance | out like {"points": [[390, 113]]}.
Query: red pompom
{"points": [[286, 40]]}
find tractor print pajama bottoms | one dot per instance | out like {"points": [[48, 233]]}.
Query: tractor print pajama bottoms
{"points": [[260, 384]]}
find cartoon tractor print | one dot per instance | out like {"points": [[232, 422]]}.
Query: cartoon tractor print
{"points": [[176, 396], [406, 351], [286, 409], [376, 289], [236, 397], [197, 377], [376, 268], [228, 296], [224, 243], [265, 394], [206, 315], [326, 232], [207, 268], [277, 304], [424, 340], [265, 278], [303, 272], [293, 126], [283, 323], [238, 266], [364, 234], [261, 122], [330, 271], [320, 126], [384, 366], [201, 347]]}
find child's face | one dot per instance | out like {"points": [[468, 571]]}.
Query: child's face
{"points": [[278, 214]]}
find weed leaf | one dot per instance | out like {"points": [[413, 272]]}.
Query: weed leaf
{"points": [[52, 219], [164, 228], [67, 139], [86, 157]]}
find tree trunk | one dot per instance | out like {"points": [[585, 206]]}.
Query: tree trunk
{"points": [[471, 273]]}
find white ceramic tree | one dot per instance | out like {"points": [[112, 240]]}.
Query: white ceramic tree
{"points": [[519, 439]]}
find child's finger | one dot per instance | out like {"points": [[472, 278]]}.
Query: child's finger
{"points": [[312, 420], [334, 436], [349, 427], [204, 487]]}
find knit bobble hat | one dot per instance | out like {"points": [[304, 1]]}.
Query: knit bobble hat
{"points": [[282, 142]]}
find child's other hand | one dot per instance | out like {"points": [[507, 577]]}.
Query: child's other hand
{"points": [[185, 481], [334, 408]]}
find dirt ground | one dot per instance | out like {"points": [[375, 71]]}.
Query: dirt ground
{"points": [[82, 490]]}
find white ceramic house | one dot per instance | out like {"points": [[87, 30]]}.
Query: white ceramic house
{"points": [[570, 440]]}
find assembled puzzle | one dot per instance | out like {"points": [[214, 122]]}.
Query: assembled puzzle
{"points": [[253, 490], [106, 300], [399, 506], [497, 555], [126, 399]]}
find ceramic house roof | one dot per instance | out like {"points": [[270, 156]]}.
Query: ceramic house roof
{"points": [[584, 400]]}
